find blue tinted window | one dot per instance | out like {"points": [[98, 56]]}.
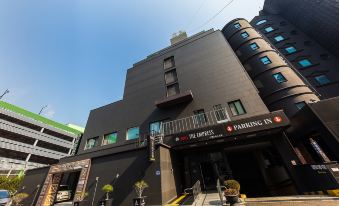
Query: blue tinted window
{"points": [[237, 25], [244, 35], [155, 128], [305, 63], [132, 133], [279, 77], [254, 46], [290, 49], [300, 105], [322, 79], [261, 22], [269, 29], [279, 38], [265, 60]]}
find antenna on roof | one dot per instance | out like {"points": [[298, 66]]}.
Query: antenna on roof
{"points": [[6, 92]]}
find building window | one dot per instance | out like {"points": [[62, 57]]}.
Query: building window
{"points": [[173, 89], [300, 105], [269, 29], [254, 46], [220, 113], [279, 77], [265, 60], [199, 117], [169, 63], [290, 49], [171, 76], [110, 138], [92, 142], [236, 108], [322, 79], [279, 38], [155, 128], [244, 35], [132, 133], [237, 25], [261, 22], [305, 63]]}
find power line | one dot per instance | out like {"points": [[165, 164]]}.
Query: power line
{"points": [[189, 23], [215, 15]]}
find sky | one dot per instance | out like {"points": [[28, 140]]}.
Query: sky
{"points": [[72, 55]]}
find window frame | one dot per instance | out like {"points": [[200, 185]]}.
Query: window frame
{"points": [[237, 111], [172, 61], [254, 43], [172, 85], [294, 51], [269, 60], [281, 38], [298, 103], [132, 128], [260, 22], [103, 139], [281, 75], [317, 79], [95, 144], [175, 79], [219, 113], [199, 116], [242, 35], [237, 25], [269, 27], [305, 59]]}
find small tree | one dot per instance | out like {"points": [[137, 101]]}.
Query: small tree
{"points": [[108, 189], [18, 198], [139, 187]]}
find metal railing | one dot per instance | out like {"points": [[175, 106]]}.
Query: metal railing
{"points": [[194, 122], [195, 190], [220, 189]]}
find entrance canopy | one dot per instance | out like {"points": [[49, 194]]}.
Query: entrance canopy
{"points": [[229, 131]]}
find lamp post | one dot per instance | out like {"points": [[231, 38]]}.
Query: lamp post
{"points": [[6, 92], [42, 109]]}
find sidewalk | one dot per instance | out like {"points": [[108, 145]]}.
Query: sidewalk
{"points": [[213, 199]]}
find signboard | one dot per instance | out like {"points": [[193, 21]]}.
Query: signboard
{"points": [[243, 126], [151, 148]]}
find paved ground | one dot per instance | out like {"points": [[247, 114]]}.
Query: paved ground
{"points": [[213, 199]]}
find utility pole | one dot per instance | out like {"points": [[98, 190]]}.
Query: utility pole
{"points": [[42, 109], [6, 92]]}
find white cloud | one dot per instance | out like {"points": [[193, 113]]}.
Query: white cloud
{"points": [[48, 112]]}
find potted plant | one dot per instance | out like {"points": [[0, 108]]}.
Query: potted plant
{"points": [[139, 188], [232, 191], [108, 189], [18, 198]]}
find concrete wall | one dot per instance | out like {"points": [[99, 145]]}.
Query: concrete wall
{"points": [[33, 182]]}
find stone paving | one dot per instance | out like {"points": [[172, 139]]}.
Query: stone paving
{"points": [[213, 199]]}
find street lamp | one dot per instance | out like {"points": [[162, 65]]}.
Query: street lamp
{"points": [[42, 109], [6, 92]]}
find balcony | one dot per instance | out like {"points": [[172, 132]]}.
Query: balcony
{"points": [[197, 121], [182, 97]]}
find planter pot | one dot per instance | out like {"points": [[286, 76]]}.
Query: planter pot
{"points": [[232, 199], [139, 201]]}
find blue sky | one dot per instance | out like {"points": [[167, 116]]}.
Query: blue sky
{"points": [[72, 55]]}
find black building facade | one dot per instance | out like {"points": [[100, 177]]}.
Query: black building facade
{"points": [[215, 106]]}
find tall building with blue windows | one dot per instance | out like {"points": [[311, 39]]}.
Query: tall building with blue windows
{"points": [[305, 32]]}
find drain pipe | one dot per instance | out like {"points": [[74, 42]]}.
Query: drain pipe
{"points": [[95, 189]]}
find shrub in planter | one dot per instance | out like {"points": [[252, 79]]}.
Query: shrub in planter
{"points": [[108, 189], [18, 198], [232, 184]]}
